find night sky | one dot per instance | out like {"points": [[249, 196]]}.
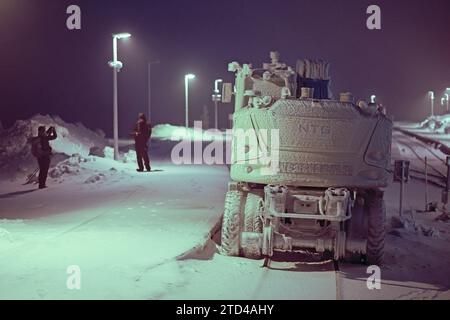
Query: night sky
{"points": [[46, 68]]}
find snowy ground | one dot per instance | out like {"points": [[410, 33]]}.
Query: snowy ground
{"points": [[132, 235], [116, 231]]}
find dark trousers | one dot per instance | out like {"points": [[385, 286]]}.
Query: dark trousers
{"points": [[142, 157], [44, 165]]}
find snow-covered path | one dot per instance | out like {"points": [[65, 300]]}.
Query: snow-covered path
{"points": [[116, 232]]}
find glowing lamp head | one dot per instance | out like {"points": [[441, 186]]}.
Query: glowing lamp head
{"points": [[123, 35], [189, 76], [216, 85], [431, 95]]}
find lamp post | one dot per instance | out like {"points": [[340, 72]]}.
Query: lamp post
{"points": [[216, 98], [150, 88], [187, 77], [446, 95], [431, 96], [116, 65]]}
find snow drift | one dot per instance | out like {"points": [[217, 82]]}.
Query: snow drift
{"points": [[15, 150]]}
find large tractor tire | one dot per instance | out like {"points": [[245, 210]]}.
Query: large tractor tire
{"points": [[253, 223], [376, 227], [254, 205], [231, 223], [356, 228]]}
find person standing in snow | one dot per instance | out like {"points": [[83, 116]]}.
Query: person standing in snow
{"points": [[142, 133], [41, 149]]}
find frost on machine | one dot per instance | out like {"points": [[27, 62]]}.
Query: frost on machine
{"points": [[333, 158]]}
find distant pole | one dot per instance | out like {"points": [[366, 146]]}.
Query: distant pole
{"points": [[115, 116], [150, 88], [216, 120], [401, 175], [402, 190], [426, 184], [149, 91], [115, 104], [216, 96], [186, 102], [187, 77], [446, 99], [445, 193], [431, 96]]}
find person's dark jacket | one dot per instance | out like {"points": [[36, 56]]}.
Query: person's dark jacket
{"points": [[142, 132], [45, 141], [43, 148]]}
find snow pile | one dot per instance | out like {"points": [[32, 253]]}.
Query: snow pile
{"points": [[108, 153], [69, 166], [412, 226], [126, 157], [129, 157], [437, 124], [15, 150]]}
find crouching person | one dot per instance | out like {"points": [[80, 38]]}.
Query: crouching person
{"points": [[40, 148]]}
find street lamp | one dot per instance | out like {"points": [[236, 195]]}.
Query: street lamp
{"points": [[187, 77], [149, 88], [216, 98], [116, 65], [373, 98], [431, 96]]}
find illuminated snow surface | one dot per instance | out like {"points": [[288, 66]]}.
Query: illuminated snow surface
{"points": [[117, 229], [132, 235]]}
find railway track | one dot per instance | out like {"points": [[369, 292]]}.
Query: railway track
{"points": [[434, 175], [422, 159]]}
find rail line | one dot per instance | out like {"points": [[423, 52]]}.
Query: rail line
{"points": [[422, 159]]}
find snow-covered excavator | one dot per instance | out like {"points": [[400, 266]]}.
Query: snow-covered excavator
{"points": [[307, 171]]}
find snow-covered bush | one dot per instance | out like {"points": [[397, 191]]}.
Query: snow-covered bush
{"points": [[108, 152], [69, 166], [129, 157]]}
